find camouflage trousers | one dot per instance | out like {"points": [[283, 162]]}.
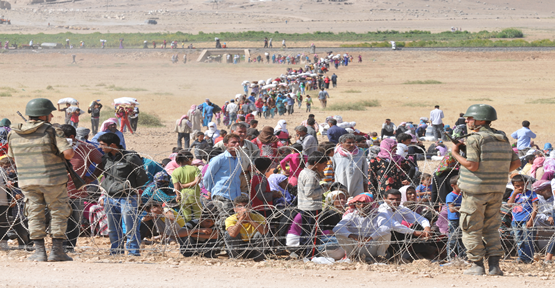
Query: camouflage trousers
{"points": [[480, 221], [37, 198]]}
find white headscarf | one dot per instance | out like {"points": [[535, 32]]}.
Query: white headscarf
{"points": [[212, 131], [281, 126]]}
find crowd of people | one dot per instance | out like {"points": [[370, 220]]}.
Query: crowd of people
{"points": [[317, 190]]}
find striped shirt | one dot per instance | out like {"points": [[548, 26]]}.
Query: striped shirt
{"points": [[329, 173]]}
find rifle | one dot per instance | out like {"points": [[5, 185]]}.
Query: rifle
{"points": [[456, 141], [19, 113]]}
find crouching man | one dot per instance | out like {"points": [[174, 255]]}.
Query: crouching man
{"points": [[359, 233], [245, 231]]}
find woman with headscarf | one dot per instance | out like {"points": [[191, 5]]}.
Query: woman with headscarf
{"points": [[279, 182], [409, 199], [281, 132], [387, 170], [159, 190], [422, 126], [537, 170], [110, 126], [195, 117], [212, 133]]}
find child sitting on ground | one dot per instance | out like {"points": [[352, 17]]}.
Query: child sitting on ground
{"points": [[455, 247], [424, 190], [525, 208]]}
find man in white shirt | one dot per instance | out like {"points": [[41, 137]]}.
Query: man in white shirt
{"points": [[392, 214], [436, 117], [232, 109], [359, 233]]}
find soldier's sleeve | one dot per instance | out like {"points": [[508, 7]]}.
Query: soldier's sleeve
{"points": [[473, 149], [515, 156], [61, 141]]}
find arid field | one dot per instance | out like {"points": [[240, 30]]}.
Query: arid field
{"points": [[517, 84]]}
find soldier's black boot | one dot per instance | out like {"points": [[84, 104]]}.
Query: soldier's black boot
{"points": [[476, 269], [40, 252], [493, 263], [57, 253]]}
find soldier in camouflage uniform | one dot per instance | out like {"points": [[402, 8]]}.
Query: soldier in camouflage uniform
{"points": [[483, 177], [38, 150]]}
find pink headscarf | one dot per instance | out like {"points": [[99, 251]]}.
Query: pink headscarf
{"points": [[181, 119], [193, 108], [540, 185], [386, 146], [344, 152], [538, 162], [107, 123]]}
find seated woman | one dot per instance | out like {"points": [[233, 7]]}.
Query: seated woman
{"points": [[359, 233], [159, 191], [334, 207]]}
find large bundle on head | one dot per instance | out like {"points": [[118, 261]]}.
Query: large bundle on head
{"points": [[125, 101], [72, 109], [70, 101], [245, 83], [269, 86], [261, 82]]}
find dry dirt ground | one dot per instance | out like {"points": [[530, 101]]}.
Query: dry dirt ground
{"points": [[512, 82], [93, 268]]}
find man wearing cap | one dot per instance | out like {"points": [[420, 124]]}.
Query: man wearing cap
{"points": [[39, 151], [523, 137], [436, 117], [308, 141], [483, 178]]}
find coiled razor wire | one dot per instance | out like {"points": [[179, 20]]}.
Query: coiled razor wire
{"points": [[91, 223]]}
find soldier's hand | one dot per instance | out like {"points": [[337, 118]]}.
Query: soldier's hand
{"points": [[456, 147], [530, 223], [550, 220]]}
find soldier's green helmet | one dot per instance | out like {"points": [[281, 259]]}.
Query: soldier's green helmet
{"points": [[39, 107], [482, 112]]}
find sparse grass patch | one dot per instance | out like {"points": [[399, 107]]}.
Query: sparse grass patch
{"points": [[370, 103], [353, 106], [352, 91], [150, 120], [8, 90], [84, 85], [117, 88], [423, 82], [481, 99], [163, 94], [541, 101], [38, 91], [345, 107], [5, 94], [99, 93], [49, 87], [100, 84]]}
